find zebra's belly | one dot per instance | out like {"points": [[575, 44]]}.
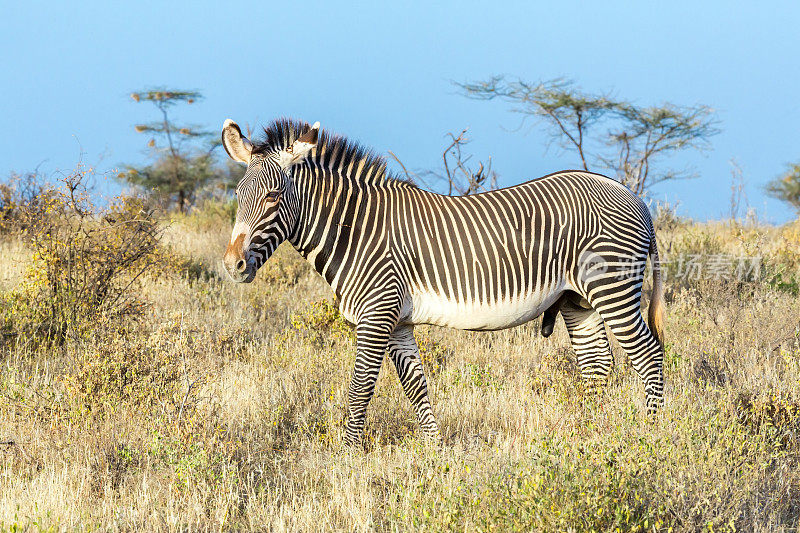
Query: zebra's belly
{"points": [[433, 308]]}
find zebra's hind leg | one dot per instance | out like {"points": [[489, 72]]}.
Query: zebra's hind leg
{"points": [[587, 333], [404, 352], [624, 318]]}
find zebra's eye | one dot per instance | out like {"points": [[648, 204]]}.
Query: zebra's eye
{"points": [[272, 196]]}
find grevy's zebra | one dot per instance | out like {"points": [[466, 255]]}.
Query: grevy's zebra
{"points": [[397, 256]]}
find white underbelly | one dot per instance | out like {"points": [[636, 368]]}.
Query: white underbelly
{"points": [[432, 308]]}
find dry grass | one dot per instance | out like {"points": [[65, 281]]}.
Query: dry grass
{"points": [[223, 409]]}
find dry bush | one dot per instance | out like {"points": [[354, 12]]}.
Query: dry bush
{"points": [[121, 368], [434, 353], [23, 200], [285, 271], [85, 262], [210, 214], [697, 469], [321, 323], [783, 266]]}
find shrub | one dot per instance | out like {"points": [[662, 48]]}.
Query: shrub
{"points": [[787, 186], [782, 268], [22, 200], [210, 214], [124, 367], [434, 354], [147, 368], [774, 411], [85, 264], [284, 269], [321, 323]]}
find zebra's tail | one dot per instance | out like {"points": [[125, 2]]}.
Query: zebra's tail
{"points": [[655, 314]]}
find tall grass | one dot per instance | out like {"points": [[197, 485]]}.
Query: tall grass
{"points": [[223, 406]]}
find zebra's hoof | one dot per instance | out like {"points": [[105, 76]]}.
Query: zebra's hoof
{"points": [[433, 439]]}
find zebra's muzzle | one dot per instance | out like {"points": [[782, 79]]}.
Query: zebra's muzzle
{"points": [[239, 268], [245, 275]]}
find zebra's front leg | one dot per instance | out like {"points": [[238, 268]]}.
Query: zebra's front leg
{"points": [[404, 352], [371, 340]]}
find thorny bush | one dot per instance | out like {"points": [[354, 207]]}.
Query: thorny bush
{"points": [[24, 198], [85, 264]]}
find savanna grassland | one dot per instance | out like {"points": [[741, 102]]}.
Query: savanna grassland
{"points": [[189, 403]]}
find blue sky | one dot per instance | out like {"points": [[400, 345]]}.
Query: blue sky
{"points": [[381, 73]]}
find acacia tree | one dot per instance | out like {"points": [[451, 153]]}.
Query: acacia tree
{"points": [[648, 133], [612, 134], [180, 167], [787, 186]]}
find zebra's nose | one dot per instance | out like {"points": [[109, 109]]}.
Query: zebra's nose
{"points": [[235, 259]]}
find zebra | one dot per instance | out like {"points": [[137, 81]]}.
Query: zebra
{"points": [[572, 242]]}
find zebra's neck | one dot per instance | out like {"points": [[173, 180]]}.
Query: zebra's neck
{"points": [[335, 211]]}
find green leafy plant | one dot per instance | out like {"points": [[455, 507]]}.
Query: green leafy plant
{"points": [[787, 186], [181, 166]]}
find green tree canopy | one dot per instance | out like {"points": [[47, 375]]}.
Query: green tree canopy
{"points": [[183, 162], [787, 186]]}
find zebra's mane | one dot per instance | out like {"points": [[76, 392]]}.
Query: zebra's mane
{"points": [[332, 151]]}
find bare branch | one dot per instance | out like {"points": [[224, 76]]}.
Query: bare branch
{"points": [[413, 177]]}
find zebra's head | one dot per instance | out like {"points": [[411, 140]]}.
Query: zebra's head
{"points": [[268, 206]]}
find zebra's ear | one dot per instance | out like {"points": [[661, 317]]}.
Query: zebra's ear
{"points": [[300, 147], [238, 146]]}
